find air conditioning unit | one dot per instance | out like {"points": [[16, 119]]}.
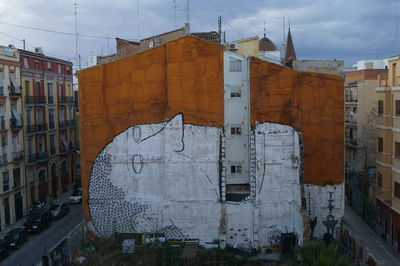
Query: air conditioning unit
{"points": [[11, 46], [39, 50], [233, 46]]}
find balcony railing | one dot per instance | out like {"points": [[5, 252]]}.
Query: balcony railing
{"points": [[35, 99], [36, 128], [350, 99], [351, 141], [14, 124], [14, 91], [18, 155], [52, 150], [66, 123], [65, 99], [38, 156]]}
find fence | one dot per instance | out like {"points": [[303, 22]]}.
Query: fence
{"points": [[63, 252], [361, 205]]}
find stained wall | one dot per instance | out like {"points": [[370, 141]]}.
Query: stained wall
{"points": [[312, 103], [184, 76]]}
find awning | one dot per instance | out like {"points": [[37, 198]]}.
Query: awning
{"points": [[64, 141], [17, 118]]}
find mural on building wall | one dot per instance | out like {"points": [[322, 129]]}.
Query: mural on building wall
{"points": [[164, 177]]}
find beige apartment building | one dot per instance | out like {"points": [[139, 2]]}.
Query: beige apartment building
{"points": [[49, 125], [360, 112], [386, 185], [12, 182]]}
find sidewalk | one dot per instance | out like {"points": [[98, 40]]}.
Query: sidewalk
{"points": [[370, 239], [62, 198]]}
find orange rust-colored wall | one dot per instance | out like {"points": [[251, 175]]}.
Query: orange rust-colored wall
{"points": [[310, 102], [185, 75]]}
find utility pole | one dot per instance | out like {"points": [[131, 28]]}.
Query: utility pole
{"points": [[175, 12], [23, 42], [76, 38], [219, 29]]}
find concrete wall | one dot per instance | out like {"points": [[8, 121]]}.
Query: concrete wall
{"points": [[320, 66]]}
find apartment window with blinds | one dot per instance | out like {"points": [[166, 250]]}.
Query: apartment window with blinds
{"points": [[236, 169], [397, 190], [380, 107], [6, 182], [379, 179], [236, 130], [397, 149], [380, 144]]}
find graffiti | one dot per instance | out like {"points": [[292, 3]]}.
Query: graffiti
{"points": [[274, 236], [137, 163]]}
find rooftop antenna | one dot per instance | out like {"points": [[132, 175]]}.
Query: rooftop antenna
{"points": [[138, 17], [76, 39], [188, 11], [265, 30], [219, 28], [175, 12]]}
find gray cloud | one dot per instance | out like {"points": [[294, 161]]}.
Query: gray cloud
{"points": [[346, 30]]}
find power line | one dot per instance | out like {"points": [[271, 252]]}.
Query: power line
{"points": [[54, 31]]}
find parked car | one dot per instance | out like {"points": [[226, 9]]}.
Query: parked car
{"points": [[16, 237], [76, 197], [38, 221], [60, 209], [4, 249], [36, 206]]}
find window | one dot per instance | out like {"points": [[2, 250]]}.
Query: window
{"points": [[397, 108], [49, 66], [397, 190], [68, 70], [13, 80], [37, 66], [236, 92], [51, 118], [26, 63], [397, 149], [59, 69], [236, 169], [41, 143], [52, 144], [1, 84], [235, 65], [27, 85], [6, 182], [3, 140], [380, 144], [50, 90], [379, 178], [380, 107], [236, 130], [17, 177]]}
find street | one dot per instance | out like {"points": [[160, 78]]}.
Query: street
{"points": [[31, 251]]}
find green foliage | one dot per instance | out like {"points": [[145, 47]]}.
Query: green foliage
{"points": [[317, 253]]}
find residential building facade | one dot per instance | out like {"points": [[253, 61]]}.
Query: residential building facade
{"points": [[360, 112], [12, 184], [49, 127], [386, 184]]}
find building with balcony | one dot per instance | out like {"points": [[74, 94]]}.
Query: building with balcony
{"points": [[360, 112], [49, 124], [12, 181], [386, 185]]}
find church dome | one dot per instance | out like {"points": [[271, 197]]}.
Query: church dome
{"points": [[266, 44]]}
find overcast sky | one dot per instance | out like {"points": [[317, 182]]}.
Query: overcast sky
{"points": [[347, 30]]}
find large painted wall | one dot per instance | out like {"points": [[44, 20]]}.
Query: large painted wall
{"points": [[296, 119]]}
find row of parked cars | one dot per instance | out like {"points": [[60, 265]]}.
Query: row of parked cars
{"points": [[40, 217]]}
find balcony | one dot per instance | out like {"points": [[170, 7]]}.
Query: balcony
{"points": [[66, 123], [51, 125], [351, 120], [67, 148], [65, 100], [351, 99], [38, 157], [351, 141], [14, 91], [35, 100], [18, 155], [37, 128], [4, 159], [15, 124], [50, 99], [52, 150], [1, 91]]}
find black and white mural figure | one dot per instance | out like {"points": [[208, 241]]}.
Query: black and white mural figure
{"points": [[165, 178]]}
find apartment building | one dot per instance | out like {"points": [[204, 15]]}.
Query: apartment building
{"points": [[49, 124], [12, 181], [387, 182], [360, 112]]}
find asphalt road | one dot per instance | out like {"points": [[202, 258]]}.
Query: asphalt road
{"points": [[30, 253]]}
